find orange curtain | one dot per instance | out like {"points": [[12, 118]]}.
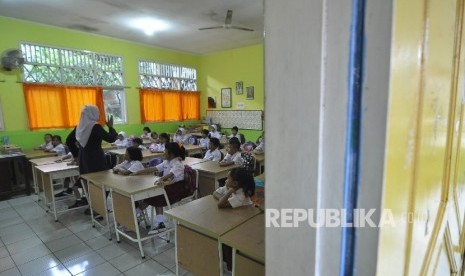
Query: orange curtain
{"points": [[53, 106], [169, 105]]}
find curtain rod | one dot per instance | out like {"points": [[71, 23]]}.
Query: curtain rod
{"points": [[60, 84]]}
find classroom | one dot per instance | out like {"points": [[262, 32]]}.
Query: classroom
{"points": [[362, 102]]}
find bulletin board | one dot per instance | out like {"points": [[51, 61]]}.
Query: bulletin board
{"points": [[243, 119]]}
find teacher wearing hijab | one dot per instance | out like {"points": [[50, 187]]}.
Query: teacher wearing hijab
{"points": [[89, 135]]}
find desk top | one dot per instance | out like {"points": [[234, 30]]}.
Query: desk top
{"points": [[108, 146], [213, 167], [56, 167], [45, 160], [248, 238], [145, 153], [11, 156], [123, 184], [191, 161], [204, 216], [190, 147], [38, 154]]}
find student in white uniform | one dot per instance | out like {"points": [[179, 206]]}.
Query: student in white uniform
{"points": [[122, 141], [234, 154], [146, 133], [213, 153], [214, 133], [58, 147], [160, 146], [260, 149], [181, 136], [203, 142], [239, 188], [132, 162], [137, 142], [234, 133], [47, 145]]}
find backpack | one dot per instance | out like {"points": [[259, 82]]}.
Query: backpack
{"points": [[190, 179]]}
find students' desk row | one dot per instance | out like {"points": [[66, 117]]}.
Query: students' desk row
{"points": [[259, 160], [45, 176], [200, 224], [38, 154], [209, 174], [38, 162], [146, 155]]}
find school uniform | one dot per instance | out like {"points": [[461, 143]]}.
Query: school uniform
{"points": [[175, 191], [203, 142], [145, 136], [261, 147], [122, 143], [132, 166], [214, 155], [59, 150], [154, 147], [238, 136], [215, 134], [236, 158], [236, 199], [47, 146]]}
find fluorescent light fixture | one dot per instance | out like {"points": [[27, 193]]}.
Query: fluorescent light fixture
{"points": [[149, 25]]}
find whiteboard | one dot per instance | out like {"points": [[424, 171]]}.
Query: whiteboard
{"points": [[243, 119]]}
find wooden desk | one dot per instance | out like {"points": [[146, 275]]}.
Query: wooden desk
{"points": [[192, 149], [248, 243], [191, 161], [201, 223], [107, 146], [38, 154], [38, 162], [209, 174], [146, 155], [125, 191], [10, 180], [48, 173]]}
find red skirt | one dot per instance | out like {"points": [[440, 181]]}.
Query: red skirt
{"points": [[175, 192]]}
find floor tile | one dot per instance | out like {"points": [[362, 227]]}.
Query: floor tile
{"points": [[72, 252], [167, 273], [31, 254], [23, 245], [84, 263], [6, 263], [148, 268], [11, 221], [49, 236], [80, 226], [92, 233], [128, 260], [58, 270], [105, 269], [17, 236], [8, 214], [13, 228], [111, 251], [38, 265], [11, 272], [4, 252], [99, 242], [62, 243], [166, 258]]}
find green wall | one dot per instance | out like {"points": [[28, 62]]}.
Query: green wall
{"points": [[214, 71], [224, 69]]}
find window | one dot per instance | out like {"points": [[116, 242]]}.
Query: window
{"points": [[168, 92], [75, 68]]}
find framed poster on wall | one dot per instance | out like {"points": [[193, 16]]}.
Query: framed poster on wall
{"points": [[226, 97]]}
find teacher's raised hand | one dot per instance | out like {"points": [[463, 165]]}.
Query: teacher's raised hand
{"points": [[109, 121]]}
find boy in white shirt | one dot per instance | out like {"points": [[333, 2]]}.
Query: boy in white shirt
{"points": [[234, 154], [234, 133], [58, 147], [47, 145], [204, 141], [213, 153]]}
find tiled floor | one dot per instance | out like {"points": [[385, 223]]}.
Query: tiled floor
{"points": [[32, 243]]}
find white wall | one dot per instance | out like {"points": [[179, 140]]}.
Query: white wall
{"points": [[306, 84]]}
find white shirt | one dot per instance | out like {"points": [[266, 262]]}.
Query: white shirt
{"points": [[48, 145], [236, 158], [214, 155], [160, 147], [238, 136], [174, 166], [59, 150], [145, 136], [215, 134], [237, 199], [203, 142], [261, 147], [132, 166], [122, 143]]}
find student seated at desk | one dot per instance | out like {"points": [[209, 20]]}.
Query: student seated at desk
{"points": [[146, 133], [172, 170], [239, 188], [160, 146], [234, 154], [58, 147], [153, 137], [213, 153], [234, 133], [132, 162], [181, 136], [47, 145], [260, 149], [214, 133], [137, 142], [122, 141], [204, 141]]}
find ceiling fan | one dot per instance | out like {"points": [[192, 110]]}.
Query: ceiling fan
{"points": [[227, 24]]}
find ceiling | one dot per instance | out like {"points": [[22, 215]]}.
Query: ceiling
{"points": [[183, 18]]}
